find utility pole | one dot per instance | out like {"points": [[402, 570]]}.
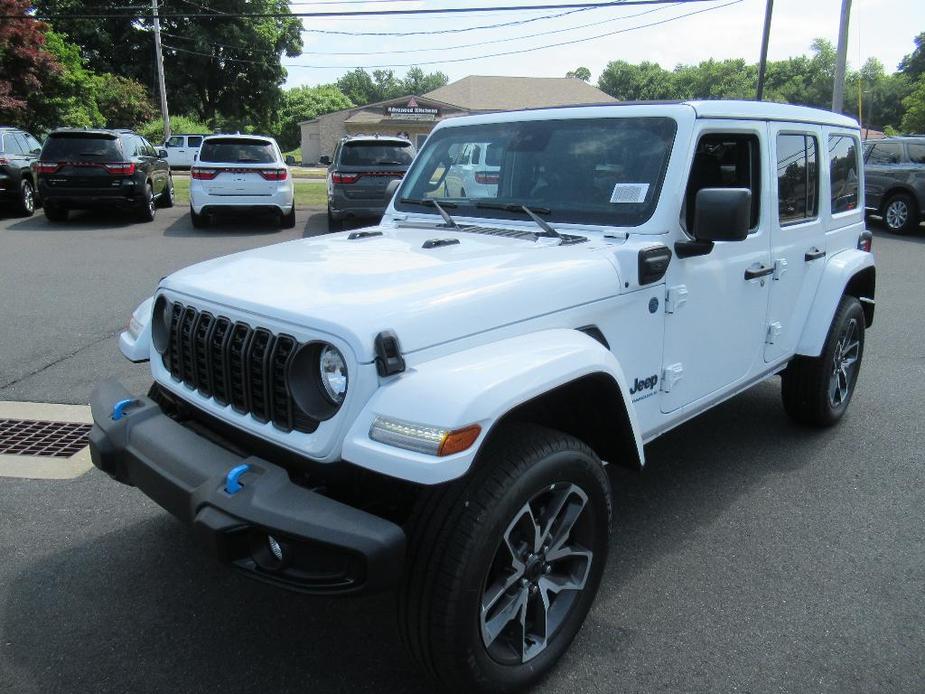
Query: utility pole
{"points": [[838, 89], [763, 62], [159, 58]]}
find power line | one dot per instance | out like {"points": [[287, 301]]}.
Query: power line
{"points": [[350, 13], [467, 59], [506, 39]]}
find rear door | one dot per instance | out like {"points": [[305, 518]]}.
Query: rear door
{"points": [[176, 151], [375, 164], [798, 241], [238, 162]]}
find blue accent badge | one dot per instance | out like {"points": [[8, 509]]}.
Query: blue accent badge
{"points": [[232, 484], [118, 410]]}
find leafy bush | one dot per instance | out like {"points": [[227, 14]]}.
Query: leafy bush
{"points": [[153, 130]]}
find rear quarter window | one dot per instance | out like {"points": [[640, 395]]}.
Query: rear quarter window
{"points": [[843, 172], [76, 147], [237, 151]]}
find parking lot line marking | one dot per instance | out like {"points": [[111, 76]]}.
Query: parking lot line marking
{"points": [[40, 467]]}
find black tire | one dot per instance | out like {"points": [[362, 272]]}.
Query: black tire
{"points": [[817, 390], [26, 203], [900, 213], [147, 212], [200, 221], [334, 224], [166, 199], [457, 552], [287, 220], [54, 213]]}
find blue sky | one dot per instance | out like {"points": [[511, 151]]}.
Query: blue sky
{"points": [[880, 28]]}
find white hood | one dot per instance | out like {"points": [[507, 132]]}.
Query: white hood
{"points": [[357, 288]]}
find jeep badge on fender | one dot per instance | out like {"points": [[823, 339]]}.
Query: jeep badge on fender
{"points": [[427, 405]]}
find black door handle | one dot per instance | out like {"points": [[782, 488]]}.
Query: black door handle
{"points": [[813, 254], [760, 271]]}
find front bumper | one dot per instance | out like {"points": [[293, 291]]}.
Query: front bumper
{"points": [[327, 546]]}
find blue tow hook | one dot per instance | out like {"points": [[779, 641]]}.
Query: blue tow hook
{"points": [[232, 483], [118, 410]]}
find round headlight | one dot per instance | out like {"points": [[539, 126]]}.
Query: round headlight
{"points": [[333, 374], [160, 324]]}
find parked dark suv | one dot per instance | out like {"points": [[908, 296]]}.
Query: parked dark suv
{"points": [[81, 169], [359, 173], [18, 149], [894, 176]]}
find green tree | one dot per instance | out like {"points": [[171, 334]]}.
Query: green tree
{"points": [[581, 73], [26, 64], [305, 103], [418, 82], [914, 117], [716, 79], [153, 130], [123, 102], [913, 65], [645, 81], [363, 88], [68, 99]]}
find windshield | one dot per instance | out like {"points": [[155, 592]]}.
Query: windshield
{"points": [[605, 171], [375, 153], [238, 151], [80, 146]]}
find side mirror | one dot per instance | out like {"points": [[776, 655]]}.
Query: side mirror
{"points": [[325, 160], [162, 153], [37, 151], [722, 214], [290, 160], [391, 188]]}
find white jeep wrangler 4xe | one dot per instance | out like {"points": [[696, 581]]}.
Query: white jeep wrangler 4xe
{"points": [[430, 404]]}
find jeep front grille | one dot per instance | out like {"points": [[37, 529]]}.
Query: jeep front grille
{"points": [[235, 364]]}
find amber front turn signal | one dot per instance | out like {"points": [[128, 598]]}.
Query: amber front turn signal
{"points": [[459, 440]]}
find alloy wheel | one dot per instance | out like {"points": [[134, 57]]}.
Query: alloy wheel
{"points": [[844, 364], [897, 213], [541, 566], [28, 198]]}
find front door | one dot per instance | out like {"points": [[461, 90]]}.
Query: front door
{"points": [[717, 303], [797, 234]]}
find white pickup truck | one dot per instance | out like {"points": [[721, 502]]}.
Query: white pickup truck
{"points": [[432, 404]]}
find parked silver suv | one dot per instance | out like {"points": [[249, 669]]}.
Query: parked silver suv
{"points": [[359, 174]]}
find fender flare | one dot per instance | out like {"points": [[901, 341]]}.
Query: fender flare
{"points": [[137, 348], [838, 273], [480, 386]]}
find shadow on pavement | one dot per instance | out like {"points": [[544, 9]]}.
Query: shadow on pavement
{"points": [[227, 224], [143, 609], [79, 220], [876, 225]]}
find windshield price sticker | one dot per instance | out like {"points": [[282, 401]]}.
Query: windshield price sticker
{"points": [[629, 192]]}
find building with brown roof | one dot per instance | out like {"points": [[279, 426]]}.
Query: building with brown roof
{"points": [[414, 116]]}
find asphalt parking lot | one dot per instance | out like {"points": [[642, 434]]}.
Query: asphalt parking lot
{"points": [[751, 555]]}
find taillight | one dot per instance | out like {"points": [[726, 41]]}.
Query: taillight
{"points": [[203, 174], [345, 177], [865, 241], [275, 174], [47, 168], [4, 162], [486, 178], [120, 168]]}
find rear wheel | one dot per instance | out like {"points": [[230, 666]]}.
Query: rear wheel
{"points": [[287, 220], [334, 224], [504, 565], [54, 213], [900, 214], [817, 390], [148, 210], [200, 221], [26, 198]]}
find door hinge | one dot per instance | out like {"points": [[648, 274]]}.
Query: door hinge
{"points": [[671, 375], [780, 267], [675, 298], [774, 330]]}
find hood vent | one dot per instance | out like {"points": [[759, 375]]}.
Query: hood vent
{"points": [[354, 235], [439, 243]]}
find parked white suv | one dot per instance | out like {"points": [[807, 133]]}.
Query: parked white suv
{"points": [[182, 150], [239, 173], [432, 404]]}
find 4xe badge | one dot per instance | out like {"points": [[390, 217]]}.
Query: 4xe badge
{"points": [[644, 388]]}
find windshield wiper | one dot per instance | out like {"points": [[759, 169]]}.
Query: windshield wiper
{"points": [[448, 220], [532, 213]]}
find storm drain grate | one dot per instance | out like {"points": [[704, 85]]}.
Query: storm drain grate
{"points": [[50, 439]]}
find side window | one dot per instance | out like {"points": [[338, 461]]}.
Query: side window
{"points": [[916, 153], [16, 144], [129, 148], [843, 172], [797, 178], [32, 143], [476, 154], [194, 141], [885, 153], [725, 160], [148, 148], [175, 141]]}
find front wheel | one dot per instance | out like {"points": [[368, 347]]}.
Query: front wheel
{"points": [[504, 565], [166, 199], [816, 390]]}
